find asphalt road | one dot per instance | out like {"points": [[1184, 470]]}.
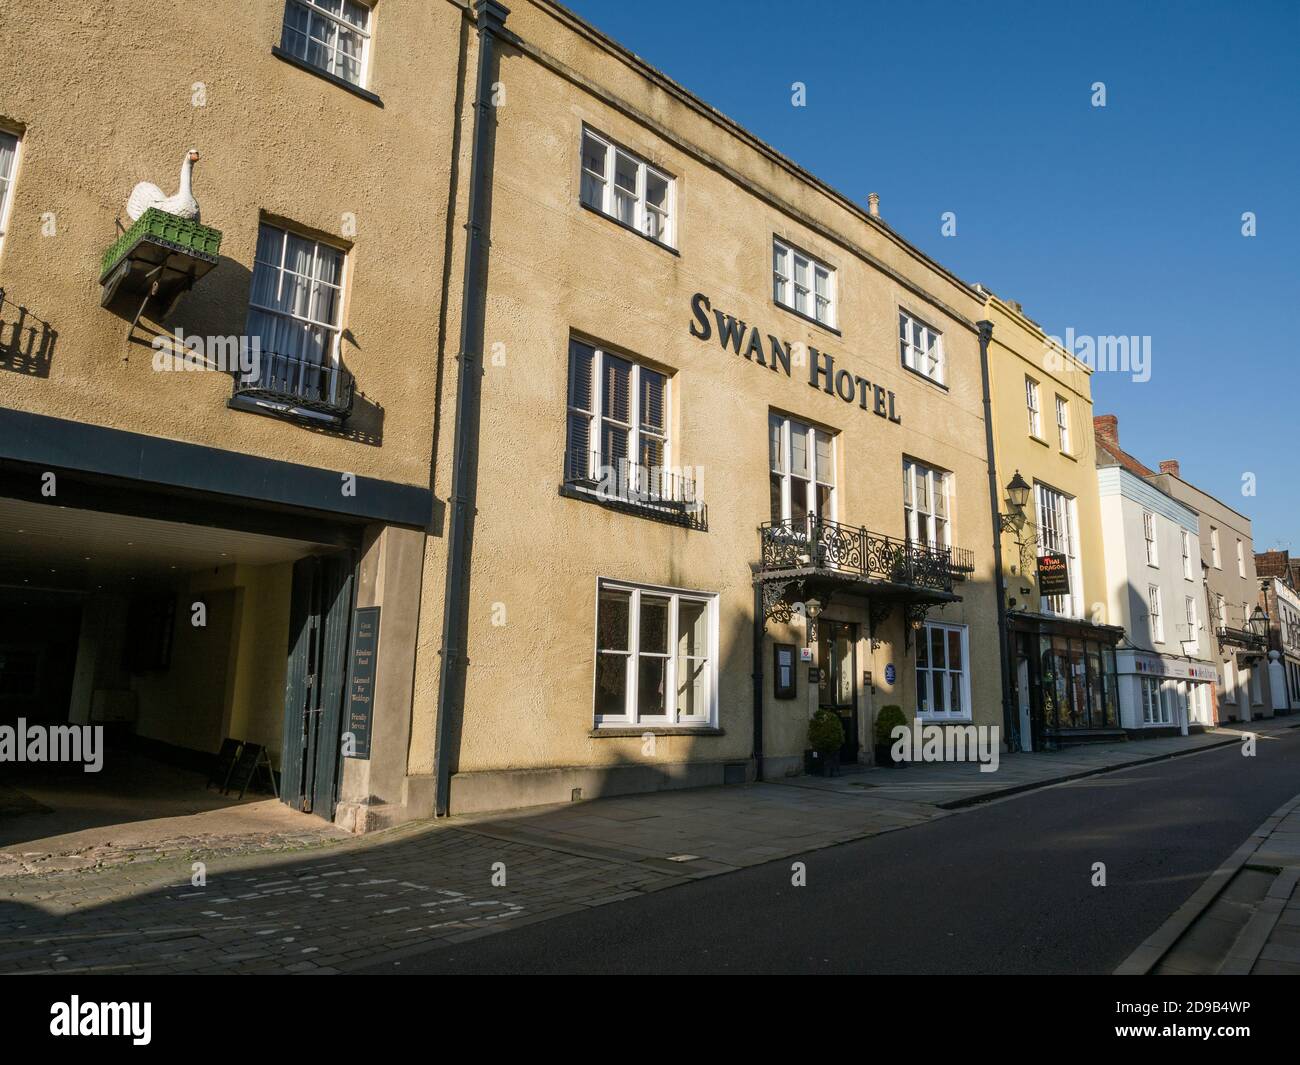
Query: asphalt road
{"points": [[1001, 888]]}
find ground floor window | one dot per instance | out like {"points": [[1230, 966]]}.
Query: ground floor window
{"points": [[942, 676], [1080, 690], [656, 656], [1154, 710]]}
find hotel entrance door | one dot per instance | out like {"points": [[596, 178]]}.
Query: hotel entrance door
{"points": [[837, 686]]}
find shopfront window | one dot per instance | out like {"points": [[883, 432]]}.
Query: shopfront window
{"points": [[1079, 684]]}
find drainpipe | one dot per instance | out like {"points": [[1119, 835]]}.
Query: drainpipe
{"points": [[1010, 722], [758, 682], [490, 18]]}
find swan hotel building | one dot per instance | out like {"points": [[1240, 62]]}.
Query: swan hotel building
{"points": [[593, 445]]}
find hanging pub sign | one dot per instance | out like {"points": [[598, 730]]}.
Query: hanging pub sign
{"points": [[361, 678], [1053, 574], [772, 353]]}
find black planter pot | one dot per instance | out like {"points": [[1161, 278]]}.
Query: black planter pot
{"points": [[819, 764], [885, 759]]}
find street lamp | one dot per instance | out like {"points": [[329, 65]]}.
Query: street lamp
{"points": [[1017, 520], [1018, 491], [1258, 623]]}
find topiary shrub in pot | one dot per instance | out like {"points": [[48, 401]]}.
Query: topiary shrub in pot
{"points": [[889, 718], [826, 737]]}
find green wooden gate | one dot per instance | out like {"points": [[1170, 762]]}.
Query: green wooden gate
{"points": [[319, 623]]}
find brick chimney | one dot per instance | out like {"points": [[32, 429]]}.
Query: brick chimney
{"points": [[1106, 426], [873, 204], [1170, 466]]}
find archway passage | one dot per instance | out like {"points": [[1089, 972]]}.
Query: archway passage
{"points": [[166, 638]]}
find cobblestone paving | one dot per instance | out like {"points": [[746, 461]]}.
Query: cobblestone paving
{"points": [[294, 913]]}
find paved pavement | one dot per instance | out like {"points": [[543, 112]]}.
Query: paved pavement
{"points": [[1002, 887], [327, 904], [1244, 919]]}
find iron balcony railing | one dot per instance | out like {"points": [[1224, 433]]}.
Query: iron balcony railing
{"points": [[326, 388], [652, 491], [1243, 638], [830, 545]]}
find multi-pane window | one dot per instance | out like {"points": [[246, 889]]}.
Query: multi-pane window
{"points": [[1241, 559], [942, 683], [1187, 554], [1155, 711], [656, 655], [1149, 534], [927, 504], [1057, 533], [626, 187], [1156, 618], [1063, 423], [295, 308], [801, 461], [617, 432], [1032, 406], [921, 347], [1193, 622], [1214, 548], [332, 35], [802, 283], [8, 167]]}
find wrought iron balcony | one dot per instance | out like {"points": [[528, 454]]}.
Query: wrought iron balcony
{"points": [[647, 491], [1242, 638], [829, 546], [325, 388]]}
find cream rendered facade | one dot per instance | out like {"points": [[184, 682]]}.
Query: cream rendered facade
{"points": [[160, 483], [1042, 429], [562, 272], [236, 506]]}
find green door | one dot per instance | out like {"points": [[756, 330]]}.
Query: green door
{"points": [[837, 681], [319, 622]]}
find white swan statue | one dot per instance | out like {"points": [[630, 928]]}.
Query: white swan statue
{"points": [[183, 204]]}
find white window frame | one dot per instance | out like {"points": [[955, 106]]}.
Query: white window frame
{"points": [[1058, 531], [1187, 554], [335, 328], [1149, 535], [1215, 558], [815, 295], [364, 32], [1221, 608], [1153, 708], [1155, 613], [1241, 558], [631, 717], [1063, 423], [914, 356], [643, 209], [596, 470], [1193, 622], [816, 476], [937, 531], [7, 182], [1033, 404], [930, 670]]}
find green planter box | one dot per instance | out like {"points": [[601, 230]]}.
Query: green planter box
{"points": [[160, 227]]}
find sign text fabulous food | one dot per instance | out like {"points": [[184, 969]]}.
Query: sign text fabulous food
{"points": [[767, 350]]}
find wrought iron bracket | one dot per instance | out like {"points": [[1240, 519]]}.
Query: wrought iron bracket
{"points": [[878, 611], [775, 605]]}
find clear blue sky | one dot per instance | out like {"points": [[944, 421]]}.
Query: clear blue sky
{"points": [[1120, 220]]}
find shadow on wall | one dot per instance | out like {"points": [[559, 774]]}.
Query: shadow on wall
{"points": [[27, 341]]}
